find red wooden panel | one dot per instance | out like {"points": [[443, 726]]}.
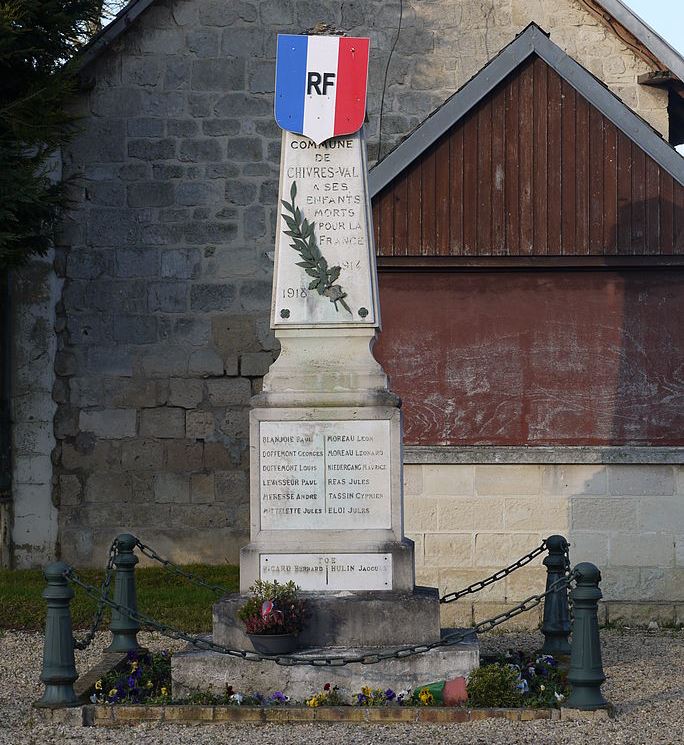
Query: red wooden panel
{"points": [[457, 195], [442, 197], [415, 198], [581, 176], [387, 221], [428, 222], [401, 216], [498, 172], [624, 189], [539, 148], [595, 177], [532, 170], [568, 177], [470, 145], [536, 358], [638, 205], [376, 228], [511, 177], [652, 207], [610, 176], [678, 202], [526, 159], [484, 181], [554, 164]]}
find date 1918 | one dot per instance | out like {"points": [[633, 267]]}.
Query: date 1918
{"points": [[292, 292]]}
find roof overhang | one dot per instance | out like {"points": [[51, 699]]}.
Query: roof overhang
{"points": [[531, 41]]}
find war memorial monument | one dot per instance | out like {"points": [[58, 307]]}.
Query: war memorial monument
{"points": [[326, 431]]}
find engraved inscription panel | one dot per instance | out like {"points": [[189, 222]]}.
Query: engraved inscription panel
{"points": [[325, 475], [329, 571], [330, 194]]}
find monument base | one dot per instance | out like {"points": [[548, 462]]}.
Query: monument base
{"points": [[346, 619], [212, 672]]}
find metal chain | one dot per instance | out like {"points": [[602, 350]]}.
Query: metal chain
{"points": [[85, 642], [171, 567], [568, 572], [337, 661], [477, 586]]}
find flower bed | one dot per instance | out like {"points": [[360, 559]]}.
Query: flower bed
{"points": [[513, 680]]}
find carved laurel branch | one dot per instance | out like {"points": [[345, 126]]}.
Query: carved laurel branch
{"points": [[313, 262]]}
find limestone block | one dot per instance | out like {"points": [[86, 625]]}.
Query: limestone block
{"points": [[635, 613], [185, 393], [574, 480], [507, 479], [413, 480], [536, 513], [488, 513], [229, 391], [108, 488], [123, 392], [454, 480], [134, 329], [141, 454], [208, 297], [641, 480], [33, 469], [500, 549], [199, 150], [205, 362], [152, 149], [172, 487], [235, 423], [202, 488], [456, 513], [231, 485], [162, 422], [255, 363], [199, 424], [70, 490], [642, 549], [418, 547], [109, 423], [168, 297], [448, 549], [663, 514], [420, 513], [524, 583], [456, 615], [588, 546], [527, 621], [184, 455]]}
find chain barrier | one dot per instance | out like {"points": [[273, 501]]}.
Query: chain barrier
{"points": [[85, 642], [477, 586], [336, 661], [568, 572], [175, 569]]}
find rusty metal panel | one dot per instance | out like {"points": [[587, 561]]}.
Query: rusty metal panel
{"points": [[534, 170], [536, 357]]}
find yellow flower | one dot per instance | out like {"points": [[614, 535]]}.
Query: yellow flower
{"points": [[164, 691], [113, 692], [425, 697], [98, 685], [366, 691], [149, 684], [312, 701], [134, 666]]}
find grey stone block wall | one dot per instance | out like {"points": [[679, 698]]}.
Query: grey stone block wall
{"points": [[163, 331]]}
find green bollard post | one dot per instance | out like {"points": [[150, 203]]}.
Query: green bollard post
{"points": [[125, 629], [59, 667], [556, 624], [586, 668]]}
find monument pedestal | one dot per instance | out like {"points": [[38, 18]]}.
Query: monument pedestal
{"points": [[209, 671]]}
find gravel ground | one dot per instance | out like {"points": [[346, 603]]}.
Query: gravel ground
{"points": [[645, 683]]}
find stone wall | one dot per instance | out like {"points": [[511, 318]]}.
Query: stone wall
{"points": [[163, 329], [470, 520]]}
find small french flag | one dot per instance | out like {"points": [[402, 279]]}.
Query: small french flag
{"points": [[321, 85]]}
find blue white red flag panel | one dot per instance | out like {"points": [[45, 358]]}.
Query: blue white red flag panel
{"points": [[321, 85]]}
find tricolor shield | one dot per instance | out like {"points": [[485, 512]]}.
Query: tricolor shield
{"points": [[321, 85]]}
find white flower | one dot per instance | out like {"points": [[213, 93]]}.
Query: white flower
{"points": [[93, 699], [237, 698], [559, 696], [542, 687]]}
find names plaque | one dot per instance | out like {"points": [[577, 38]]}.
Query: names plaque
{"points": [[325, 258], [325, 475], [329, 571]]}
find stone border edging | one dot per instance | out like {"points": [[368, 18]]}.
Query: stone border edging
{"points": [[117, 716]]}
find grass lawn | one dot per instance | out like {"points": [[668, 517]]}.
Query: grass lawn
{"points": [[161, 595]]}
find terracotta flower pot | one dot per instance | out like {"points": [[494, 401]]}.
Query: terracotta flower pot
{"points": [[455, 692], [274, 643]]}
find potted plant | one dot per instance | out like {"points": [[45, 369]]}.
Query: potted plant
{"points": [[273, 616]]}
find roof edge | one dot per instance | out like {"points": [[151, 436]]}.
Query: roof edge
{"points": [[531, 41], [647, 35], [111, 31]]}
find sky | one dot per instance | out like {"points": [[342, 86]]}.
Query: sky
{"points": [[664, 16]]}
